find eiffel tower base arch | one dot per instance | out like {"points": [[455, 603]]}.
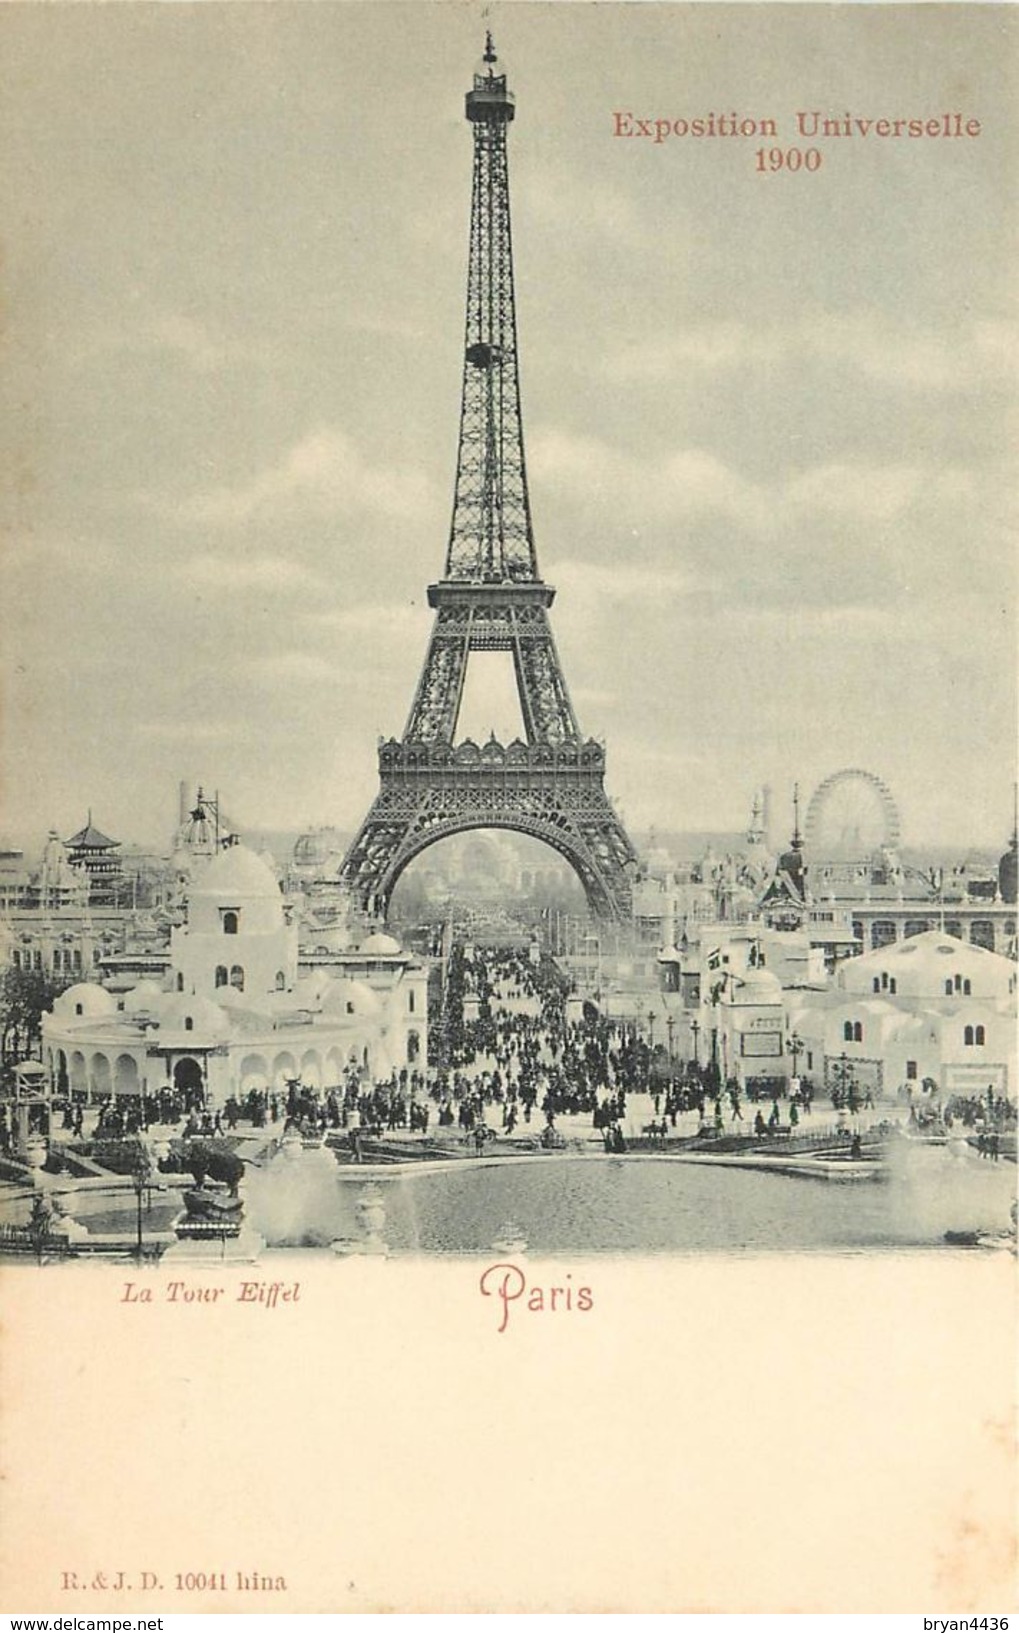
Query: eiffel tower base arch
{"points": [[429, 792]]}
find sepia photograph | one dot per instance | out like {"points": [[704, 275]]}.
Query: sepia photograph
{"points": [[508, 743]]}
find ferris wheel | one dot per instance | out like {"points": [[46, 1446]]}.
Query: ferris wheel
{"points": [[851, 815]]}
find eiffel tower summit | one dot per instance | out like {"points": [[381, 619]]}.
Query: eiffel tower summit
{"points": [[491, 598]]}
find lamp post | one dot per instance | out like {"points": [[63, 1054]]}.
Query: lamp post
{"points": [[669, 1027], [796, 1048], [845, 1082], [141, 1174], [695, 1028]]}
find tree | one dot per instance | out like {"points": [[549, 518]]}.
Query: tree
{"points": [[25, 996]]}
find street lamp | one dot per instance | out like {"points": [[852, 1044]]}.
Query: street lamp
{"points": [[695, 1027], [796, 1048], [141, 1174], [845, 1082]]}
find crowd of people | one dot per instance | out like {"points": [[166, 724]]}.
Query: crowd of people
{"points": [[510, 1055]]}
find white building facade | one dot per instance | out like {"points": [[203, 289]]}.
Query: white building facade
{"points": [[235, 1014]]}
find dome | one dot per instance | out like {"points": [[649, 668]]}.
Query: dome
{"points": [[380, 945], [87, 1000], [177, 1008], [232, 998], [146, 995], [310, 850], [310, 987], [236, 871], [350, 998], [760, 987]]}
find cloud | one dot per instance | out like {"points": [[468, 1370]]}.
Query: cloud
{"points": [[599, 213], [296, 668], [681, 484], [249, 573], [192, 731], [43, 552], [166, 332], [894, 353], [376, 619], [711, 347], [624, 581], [325, 473], [849, 530], [872, 493]]}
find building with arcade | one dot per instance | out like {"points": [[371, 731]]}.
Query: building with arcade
{"points": [[238, 1010]]}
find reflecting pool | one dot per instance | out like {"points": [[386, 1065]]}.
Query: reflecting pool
{"points": [[595, 1204]]}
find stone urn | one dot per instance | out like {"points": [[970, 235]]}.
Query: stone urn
{"points": [[370, 1209], [36, 1151]]}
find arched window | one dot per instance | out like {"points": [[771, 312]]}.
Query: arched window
{"points": [[237, 977], [410, 999], [966, 989], [17, 958], [857, 1032], [958, 983], [948, 989], [79, 1009], [980, 1034], [189, 1023], [231, 922], [281, 981], [891, 986], [180, 982], [77, 958], [847, 1032], [877, 984], [413, 1047], [967, 1036], [221, 975], [884, 978]]}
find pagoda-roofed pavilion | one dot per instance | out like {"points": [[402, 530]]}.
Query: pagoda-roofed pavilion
{"points": [[96, 854]]}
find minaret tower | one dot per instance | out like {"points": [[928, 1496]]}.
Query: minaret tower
{"points": [[492, 598]]}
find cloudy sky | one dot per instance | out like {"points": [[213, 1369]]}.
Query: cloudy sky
{"points": [[767, 416]]}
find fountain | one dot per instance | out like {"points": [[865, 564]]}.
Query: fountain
{"points": [[293, 1198]]}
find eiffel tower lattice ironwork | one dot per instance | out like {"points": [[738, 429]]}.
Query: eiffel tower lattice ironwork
{"points": [[492, 598]]}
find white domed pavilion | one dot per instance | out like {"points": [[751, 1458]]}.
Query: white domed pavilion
{"points": [[234, 1014]]}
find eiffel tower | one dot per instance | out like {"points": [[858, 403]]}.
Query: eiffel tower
{"points": [[491, 598]]}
